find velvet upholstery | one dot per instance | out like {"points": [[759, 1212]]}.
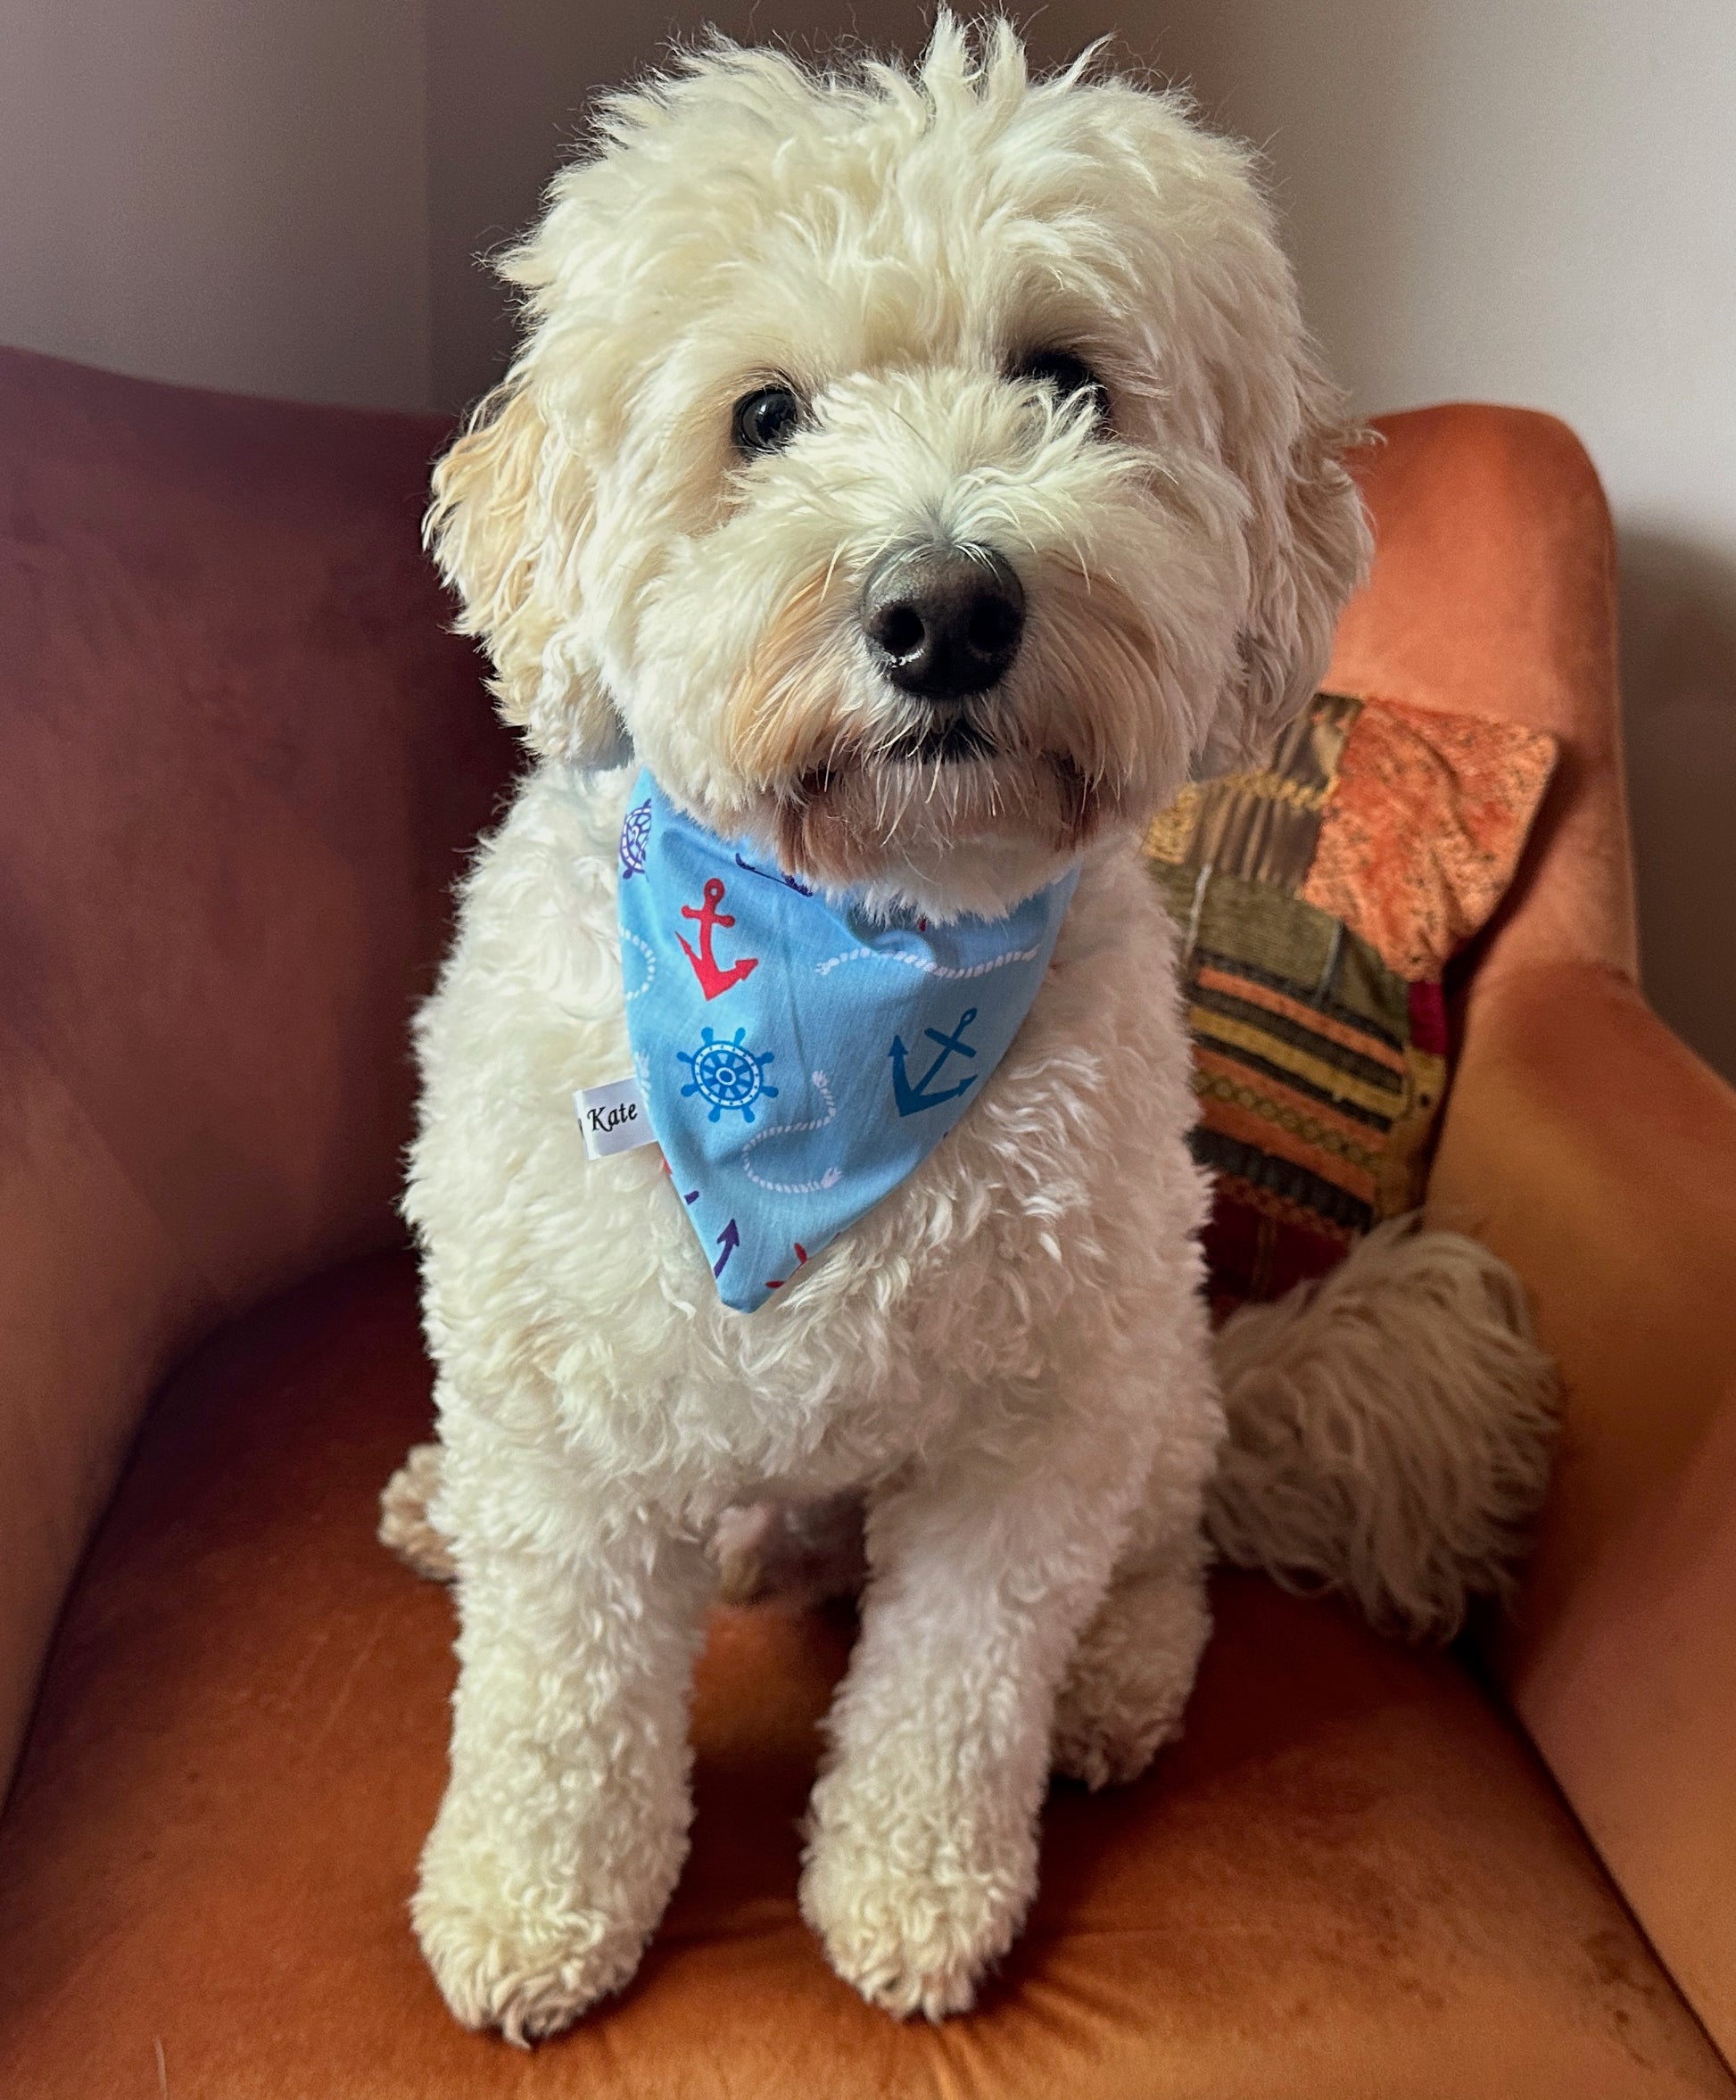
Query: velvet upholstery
{"points": [[1595, 1152], [1353, 1876], [239, 759], [1588, 1145], [1350, 1878]]}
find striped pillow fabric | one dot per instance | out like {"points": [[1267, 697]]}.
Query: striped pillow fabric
{"points": [[1319, 901]]}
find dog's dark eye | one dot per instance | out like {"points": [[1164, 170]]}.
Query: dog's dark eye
{"points": [[1070, 376], [765, 420]]}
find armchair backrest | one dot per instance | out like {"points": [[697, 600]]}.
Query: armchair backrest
{"points": [[241, 761]]}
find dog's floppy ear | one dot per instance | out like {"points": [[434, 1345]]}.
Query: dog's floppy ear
{"points": [[1238, 367], [510, 514], [1285, 435]]}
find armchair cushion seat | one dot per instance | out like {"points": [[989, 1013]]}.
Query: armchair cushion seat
{"points": [[1352, 1877]]}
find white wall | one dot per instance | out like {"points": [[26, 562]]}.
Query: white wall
{"points": [[232, 193]]}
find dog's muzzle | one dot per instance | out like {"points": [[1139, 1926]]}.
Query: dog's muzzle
{"points": [[944, 622]]}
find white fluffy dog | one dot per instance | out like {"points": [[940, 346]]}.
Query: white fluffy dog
{"points": [[781, 331]]}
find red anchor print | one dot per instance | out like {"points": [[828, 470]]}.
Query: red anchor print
{"points": [[712, 980]]}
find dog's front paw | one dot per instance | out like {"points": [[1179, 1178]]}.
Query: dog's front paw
{"points": [[526, 1965], [405, 1524], [909, 1914], [1127, 1687], [790, 1553]]}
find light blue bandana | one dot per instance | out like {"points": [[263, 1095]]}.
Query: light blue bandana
{"points": [[797, 1060]]}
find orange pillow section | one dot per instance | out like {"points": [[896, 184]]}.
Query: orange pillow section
{"points": [[1423, 829]]}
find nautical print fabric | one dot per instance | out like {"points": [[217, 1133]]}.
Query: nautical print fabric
{"points": [[798, 1058], [1320, 900]]}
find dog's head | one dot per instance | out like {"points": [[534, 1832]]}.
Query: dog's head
{"points": [[919, 472]]}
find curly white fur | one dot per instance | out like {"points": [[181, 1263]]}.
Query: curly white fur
{"points": [[1009, 1353], [1390, 1436], [1391, 1430]]}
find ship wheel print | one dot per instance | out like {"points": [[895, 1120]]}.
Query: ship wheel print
{"points": [[727, 1076], [635, 836]]}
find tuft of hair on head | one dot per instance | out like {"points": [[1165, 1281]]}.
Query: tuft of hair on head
{"points": [[1391, 1430], [989, 67]]}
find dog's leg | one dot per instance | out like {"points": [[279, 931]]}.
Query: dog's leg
{"points": [[922, 1837], [565, 1823], [1129, 1678]]}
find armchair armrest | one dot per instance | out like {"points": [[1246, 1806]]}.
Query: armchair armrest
{"points": [[1591, 1148], [1586, 1144]]}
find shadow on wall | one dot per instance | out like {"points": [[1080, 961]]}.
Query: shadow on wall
{"points": [[1678, 614]]}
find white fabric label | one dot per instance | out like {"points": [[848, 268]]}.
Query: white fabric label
{"points": [[613, 1118]]}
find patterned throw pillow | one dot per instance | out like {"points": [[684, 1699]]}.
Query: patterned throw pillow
{"points": [[1319, 901]]}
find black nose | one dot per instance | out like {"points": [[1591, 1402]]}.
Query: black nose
{"points": [[943, 622]]}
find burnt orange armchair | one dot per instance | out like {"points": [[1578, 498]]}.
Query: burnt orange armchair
{"points": [[240, 763]]}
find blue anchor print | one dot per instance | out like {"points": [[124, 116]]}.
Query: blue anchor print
{"points": [[912, 1100]]}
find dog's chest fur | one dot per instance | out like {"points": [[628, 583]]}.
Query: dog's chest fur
{"points": [[1053, 1226]]}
